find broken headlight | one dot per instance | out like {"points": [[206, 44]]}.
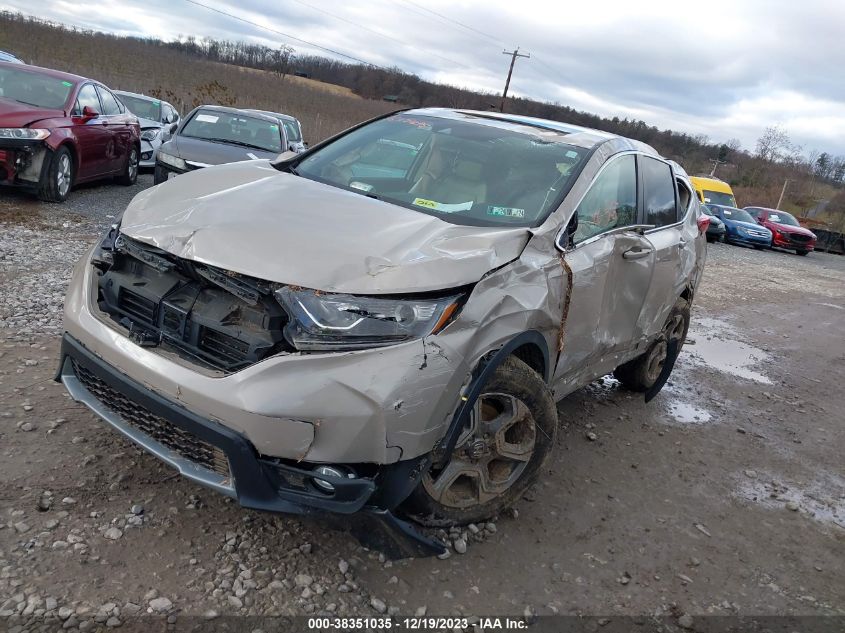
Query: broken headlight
{"points": [[320, 322]]}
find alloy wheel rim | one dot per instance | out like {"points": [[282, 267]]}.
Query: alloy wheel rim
{"points": [[133, 164], [674, 330], [63, 175], [491, 453]]}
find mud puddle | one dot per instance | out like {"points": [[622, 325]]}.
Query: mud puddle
{"points": [[822, 501], [717, 346]]}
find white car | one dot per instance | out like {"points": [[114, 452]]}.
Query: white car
{"points": [[156, 117]]}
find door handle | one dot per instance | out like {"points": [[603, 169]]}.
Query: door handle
{"points": [[682, 243], [637, 253]]}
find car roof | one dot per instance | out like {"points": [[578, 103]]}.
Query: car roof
{"points": [[255, 113], [6, 56], [56, 74], [575, 134], [138, 95], [278, 115]]}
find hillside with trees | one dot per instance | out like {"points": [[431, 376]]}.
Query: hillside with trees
{"points": [[190, 70]]}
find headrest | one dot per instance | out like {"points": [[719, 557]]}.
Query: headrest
{"points": [[468, 170]]}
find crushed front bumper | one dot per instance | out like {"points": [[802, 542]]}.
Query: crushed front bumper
{"points": [[218, 457], [790, 241], [21, 161]]}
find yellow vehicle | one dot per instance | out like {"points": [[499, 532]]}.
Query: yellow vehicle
{"points": [[713, 191]]}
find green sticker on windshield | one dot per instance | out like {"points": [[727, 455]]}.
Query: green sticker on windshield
{"points": [[67, 84], [505, 212]]}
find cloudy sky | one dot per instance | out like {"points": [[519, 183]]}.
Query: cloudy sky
{"points": [[724, 68]]}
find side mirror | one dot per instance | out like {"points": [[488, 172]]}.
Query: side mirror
{"points": [[89, 113], [173, 128]]}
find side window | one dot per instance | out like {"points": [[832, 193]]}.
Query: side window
{"points": [[611, 201], [87, 97], [659, 192], [110, 105]]}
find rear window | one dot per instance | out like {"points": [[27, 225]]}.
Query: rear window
{"points": [[463, 171], [41, 91]]}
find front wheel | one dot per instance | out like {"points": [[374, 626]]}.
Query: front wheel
{"points": [[642, 373], [130, 171], [57, 177], [159, 175], [802, 253], [509, 435]]}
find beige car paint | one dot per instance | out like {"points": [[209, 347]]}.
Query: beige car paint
{"points": [[387, 404]]}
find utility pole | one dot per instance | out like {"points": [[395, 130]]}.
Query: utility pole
{"points": [[716, 162], [782, 191], [514, 55]]}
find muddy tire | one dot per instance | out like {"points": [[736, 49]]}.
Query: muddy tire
{"points": [[129, 175], [57, 176], [641, 373], [498, 455]]}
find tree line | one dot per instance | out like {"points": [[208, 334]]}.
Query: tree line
{"points": [[757, 174]]}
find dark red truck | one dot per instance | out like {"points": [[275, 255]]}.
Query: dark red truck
{"points": [[58, 130]]}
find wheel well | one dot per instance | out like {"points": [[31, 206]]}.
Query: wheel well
{"points": [[686, 295], [532, 356]]}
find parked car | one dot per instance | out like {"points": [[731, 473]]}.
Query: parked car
{"points": [[293, 130], [58, 130], [155, 117], [741, 228], [713, 190], [716, 228], [786, 232], [213, 135], [8, 57], [388, 349]]}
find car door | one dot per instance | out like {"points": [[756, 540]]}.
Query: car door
{"points": [[611, 265], [667, 239], [116, 122], [92, 137]]}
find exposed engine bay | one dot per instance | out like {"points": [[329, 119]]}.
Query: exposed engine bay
{"points": [[211, 316]]}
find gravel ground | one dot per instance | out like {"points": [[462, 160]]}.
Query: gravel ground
{"points": [[725, 495]]}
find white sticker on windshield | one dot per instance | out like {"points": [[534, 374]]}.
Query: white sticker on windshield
{"points": [[571, 154], [207, 118], [445, 208], [355, 184], [506, 212], [252, 156]]}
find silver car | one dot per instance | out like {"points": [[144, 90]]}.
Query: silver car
{"points": [[156, 118], [380, 328], [293, 129]]}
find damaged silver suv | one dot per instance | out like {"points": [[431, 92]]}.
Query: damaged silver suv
{"points": [[378, 329]]}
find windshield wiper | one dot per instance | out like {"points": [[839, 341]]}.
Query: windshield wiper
{"points": [[240, 143]]}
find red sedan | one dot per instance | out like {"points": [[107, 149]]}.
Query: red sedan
{"points": [[786, 232], [58, 130]]}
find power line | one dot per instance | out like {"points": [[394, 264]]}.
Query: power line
{"points": [[448, 19], [292, 37], [384, 35]]}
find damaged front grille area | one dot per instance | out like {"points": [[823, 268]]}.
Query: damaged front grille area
{"points": [[209, 316], [185, 444]]}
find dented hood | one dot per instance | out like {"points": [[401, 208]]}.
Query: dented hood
{"points": [[252, 219]]}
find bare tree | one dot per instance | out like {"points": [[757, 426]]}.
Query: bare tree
{"points": [[773, 143]]}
